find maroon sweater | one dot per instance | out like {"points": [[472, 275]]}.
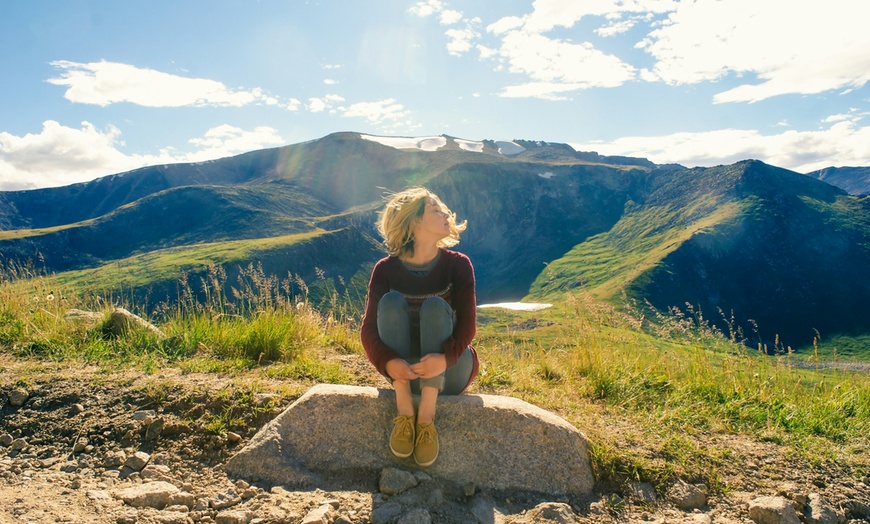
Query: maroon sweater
{"points": [[452, 279]]}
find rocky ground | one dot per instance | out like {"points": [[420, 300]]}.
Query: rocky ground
{"points": [[87, 445]]}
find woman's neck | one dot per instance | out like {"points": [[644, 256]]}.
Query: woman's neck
{"points": [[423, 254]]}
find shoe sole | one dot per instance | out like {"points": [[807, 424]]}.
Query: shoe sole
{"points": [[400, 455], [424, 464]]}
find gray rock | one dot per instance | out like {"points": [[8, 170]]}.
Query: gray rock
{"points": [[642, 492], [687, 496], [416, 516], [18, 444], [855, 509], [386, 513], [137, 460], [495, 442], [6, 439], [151, 494], [819, 512], [18, 396], [772, 510], [394, 481]]}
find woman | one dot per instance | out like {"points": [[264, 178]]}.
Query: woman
{"points": [[420, 316]]}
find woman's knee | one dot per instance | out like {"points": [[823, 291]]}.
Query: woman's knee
{"points": [[393, 305], [436, 309]]}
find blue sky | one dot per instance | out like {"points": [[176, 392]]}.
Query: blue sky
{"points": [[92, 88]]}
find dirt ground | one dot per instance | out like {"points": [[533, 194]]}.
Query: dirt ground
{"points": [[65, 455]]}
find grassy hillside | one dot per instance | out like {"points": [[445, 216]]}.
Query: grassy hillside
{"points": [[645, 390]]}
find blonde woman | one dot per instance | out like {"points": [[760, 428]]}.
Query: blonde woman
{"points": [[420, 316]]}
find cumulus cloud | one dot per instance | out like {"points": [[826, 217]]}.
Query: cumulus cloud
{"points": [[843, 143], [104, 83], [772, 48], [59, 155], [387, 111], [777, 46]]}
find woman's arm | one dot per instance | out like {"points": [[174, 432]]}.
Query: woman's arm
{"points": [[465, 306], [377, 352]]}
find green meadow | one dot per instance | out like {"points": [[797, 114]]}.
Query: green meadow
{"points": [[645, 386]]}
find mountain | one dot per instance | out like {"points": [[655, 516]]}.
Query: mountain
{"points": [[854, 180], [783, 251]]}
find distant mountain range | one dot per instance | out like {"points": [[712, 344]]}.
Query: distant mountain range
{"points": [[781, 250]]}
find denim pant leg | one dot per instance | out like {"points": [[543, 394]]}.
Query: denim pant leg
{"points": [[436, 326], [394, 323]]}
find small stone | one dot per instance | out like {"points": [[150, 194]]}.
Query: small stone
{"points": [[137, 460], [686, 496], [6, 439], [233, 437], [394, 481], [772, 510], [642, 492], [80, 445], [76, 409], [114, 459], [225, 500], [319, 515], [819, 512], [144, 414], [386, 513], [416, 516], [152, 494], [233, 517], [18, 396], [154, 429], [18, 444]]}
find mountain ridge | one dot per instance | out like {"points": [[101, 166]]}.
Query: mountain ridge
{"points": [[543, 220]]}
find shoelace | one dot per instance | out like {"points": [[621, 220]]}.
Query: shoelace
{"points": [[427, 434], [404, 425]]}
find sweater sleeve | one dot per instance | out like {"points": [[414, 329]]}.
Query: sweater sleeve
{"points": [[465, 306], [377, 352]]}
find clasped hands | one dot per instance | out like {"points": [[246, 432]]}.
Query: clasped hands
{"points": [[430, 365]]}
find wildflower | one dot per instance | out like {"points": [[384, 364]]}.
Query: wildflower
{"points": [[49, 297]]}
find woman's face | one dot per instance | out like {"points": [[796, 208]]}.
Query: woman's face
{"points": [[434, 224]]}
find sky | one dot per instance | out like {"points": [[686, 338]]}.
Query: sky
{"points": [[97, 87]]}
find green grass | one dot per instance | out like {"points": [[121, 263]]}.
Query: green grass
{"points": [[642, 388]]}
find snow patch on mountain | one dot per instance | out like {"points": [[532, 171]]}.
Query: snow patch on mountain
{"points": [[470, 145], [424, 143]]}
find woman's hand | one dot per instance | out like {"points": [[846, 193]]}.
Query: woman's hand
{"points": [[430, 365], [398, 369]]}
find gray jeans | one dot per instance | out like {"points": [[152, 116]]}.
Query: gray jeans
{"points": [[436, 326]]}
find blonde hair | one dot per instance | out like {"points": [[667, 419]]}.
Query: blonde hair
{"points": [[405, 209]]}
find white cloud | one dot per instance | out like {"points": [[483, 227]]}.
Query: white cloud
{"points": [[328, 102], [805, 48], [461, 40], [449, 17], [845, 143], [330, 81], [427, 8], [60, 155], [104, 83], [381, 112], [575, 66]]}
